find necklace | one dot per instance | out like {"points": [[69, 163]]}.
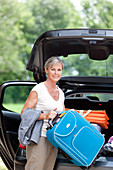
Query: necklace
{"points": [[54, 92]]}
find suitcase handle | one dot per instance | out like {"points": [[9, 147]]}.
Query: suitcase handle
{"points": [[51, 122]]}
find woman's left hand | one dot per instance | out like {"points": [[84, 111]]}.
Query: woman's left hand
{"points": [[51, 114]]}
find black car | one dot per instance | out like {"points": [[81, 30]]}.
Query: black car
{"points": [[87, 82]]}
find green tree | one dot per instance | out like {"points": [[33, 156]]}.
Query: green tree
{"points": [[21, 23], [12, 41], [49, 15], [97, 13]]}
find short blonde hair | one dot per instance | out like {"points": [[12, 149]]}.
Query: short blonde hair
{"points": [[52, 61]]}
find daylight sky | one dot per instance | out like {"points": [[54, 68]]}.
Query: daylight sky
{"points": [[77, 3]]}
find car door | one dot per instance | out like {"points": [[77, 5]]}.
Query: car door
{"points": [[12, 98]]}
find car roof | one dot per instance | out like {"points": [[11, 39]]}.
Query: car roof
{"points": [[97, 43]]}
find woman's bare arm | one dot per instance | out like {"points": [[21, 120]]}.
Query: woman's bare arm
{"points": [[63, 107], [31, 101]]}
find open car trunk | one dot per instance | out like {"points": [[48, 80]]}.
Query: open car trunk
{"points": [[87, 82]]}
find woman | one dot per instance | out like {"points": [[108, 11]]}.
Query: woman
{"points": [[49, 98]]}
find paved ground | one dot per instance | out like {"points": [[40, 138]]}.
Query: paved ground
{"points": [[2, 166]]}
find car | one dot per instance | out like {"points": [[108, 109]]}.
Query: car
{"points": [[87, 82]]}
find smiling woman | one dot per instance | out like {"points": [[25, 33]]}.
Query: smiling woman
{"points": [[49, 98]]}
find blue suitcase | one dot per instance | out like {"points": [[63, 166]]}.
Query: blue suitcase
{"points": [[76, 137]]}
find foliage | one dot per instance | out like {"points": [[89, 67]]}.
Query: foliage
{"points": [[49, 16], [97, 13], [16, 94], [12, 40], [82, 65], [21, 23]]}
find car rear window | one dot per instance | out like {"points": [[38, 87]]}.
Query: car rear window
{"points": [[82, 65]]}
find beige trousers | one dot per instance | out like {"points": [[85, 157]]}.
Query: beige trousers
{"points": [[41, 156]]}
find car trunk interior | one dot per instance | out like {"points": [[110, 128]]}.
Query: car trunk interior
{"points": [[80, 103], [84, 94]]}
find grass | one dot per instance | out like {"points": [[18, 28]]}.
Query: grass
{"points": [[14, 107], [2, 166]]}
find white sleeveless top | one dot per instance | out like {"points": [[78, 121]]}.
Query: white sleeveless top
{"points": [[46, 103]]}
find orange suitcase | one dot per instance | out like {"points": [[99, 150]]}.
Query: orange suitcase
{"points": [[95, 116]]}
